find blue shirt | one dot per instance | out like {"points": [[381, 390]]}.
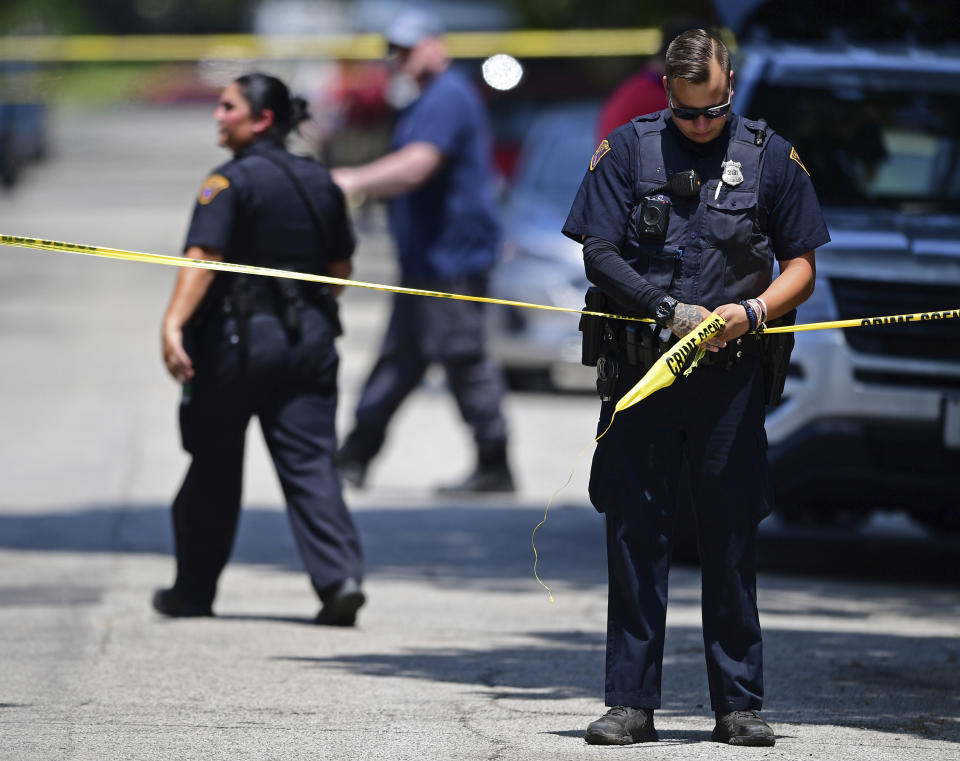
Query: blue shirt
{"points": [[448, 228]]}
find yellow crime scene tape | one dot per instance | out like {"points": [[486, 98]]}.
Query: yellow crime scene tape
{"points": [[146, 48], [663, 372], [247, 269], [181, 261]]}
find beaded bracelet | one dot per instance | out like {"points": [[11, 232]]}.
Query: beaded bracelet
{"points": [[760, 310], [751, 317], [763, 307]]}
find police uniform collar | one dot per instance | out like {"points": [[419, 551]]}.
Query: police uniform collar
{"points": [[702, 149], [262, 145]]}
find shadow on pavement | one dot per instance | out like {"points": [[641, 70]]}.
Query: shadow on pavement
{"points": [[834, 672], [481, 544], [484, 543], [882, 682]]}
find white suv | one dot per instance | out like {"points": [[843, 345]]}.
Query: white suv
{"points": [[870, 416]]}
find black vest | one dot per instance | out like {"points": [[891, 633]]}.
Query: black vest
{"points": [[716, 249]]}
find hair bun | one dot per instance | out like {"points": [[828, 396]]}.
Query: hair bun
{"points": [[299, 110]]}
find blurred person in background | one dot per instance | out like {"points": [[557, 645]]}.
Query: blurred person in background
{"points": [[245, 345], [443, 218]]}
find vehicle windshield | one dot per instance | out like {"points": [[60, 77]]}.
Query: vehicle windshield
{"points": [[867, 142], [552, 171]]}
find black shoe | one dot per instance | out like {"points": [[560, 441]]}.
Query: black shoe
{"points": [[622, 726], [341, 605], [170, 603], [743, 728], [484, 480], [352, 467]]}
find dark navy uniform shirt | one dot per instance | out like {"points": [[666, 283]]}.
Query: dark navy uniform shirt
{"points": [[251, 212], [448, 228], [787, 207]]}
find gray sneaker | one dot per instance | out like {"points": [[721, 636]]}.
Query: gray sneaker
{"points": [[622, 726], [743, 728]]}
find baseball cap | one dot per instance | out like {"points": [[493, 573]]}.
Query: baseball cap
{"points": [[412, 26]]}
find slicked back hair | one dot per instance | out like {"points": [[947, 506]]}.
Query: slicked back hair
{"points": [[262, 91], [689, 55]]}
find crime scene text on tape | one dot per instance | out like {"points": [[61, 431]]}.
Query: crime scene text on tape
{"points": [[661, 374]]}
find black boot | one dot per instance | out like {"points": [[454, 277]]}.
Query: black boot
{"points": [[352, 462], [491, 475], [340, 604], [622, 726], [743, 728], [169, 602]]}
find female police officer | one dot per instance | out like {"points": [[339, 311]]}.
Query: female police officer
{"points": [[246, 345]]}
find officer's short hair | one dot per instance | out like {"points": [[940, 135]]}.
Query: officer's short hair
{"points": [[689, 55]]}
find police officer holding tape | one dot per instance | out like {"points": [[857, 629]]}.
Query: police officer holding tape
{"points": [[245, 345], [682, 213]]}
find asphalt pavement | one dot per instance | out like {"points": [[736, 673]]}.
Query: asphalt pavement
{"points": [[459, 653]]}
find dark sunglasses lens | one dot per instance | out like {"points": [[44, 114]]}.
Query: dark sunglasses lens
{"points": [[689, 114]]}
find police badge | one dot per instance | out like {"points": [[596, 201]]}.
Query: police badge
{"points": [[731, 173]]}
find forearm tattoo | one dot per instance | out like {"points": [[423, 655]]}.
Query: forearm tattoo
{"points": [[685, 318]]}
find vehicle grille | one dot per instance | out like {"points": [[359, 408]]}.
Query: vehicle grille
{"points": [[936, 339]]}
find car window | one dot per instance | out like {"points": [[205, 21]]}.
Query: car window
{"points": [[864, 145], [553, 167]]}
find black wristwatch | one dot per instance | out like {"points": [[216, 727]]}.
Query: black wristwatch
{"points": [[665, 309]]}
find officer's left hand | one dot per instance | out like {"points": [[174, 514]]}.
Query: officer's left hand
{"points": [[178, 362], [735, 325]]}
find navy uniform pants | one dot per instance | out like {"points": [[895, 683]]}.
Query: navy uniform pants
{"points": [[713, 418], [292, 388], [423, 331]]}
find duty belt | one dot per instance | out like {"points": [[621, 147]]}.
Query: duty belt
{"points": [[641, 345]]}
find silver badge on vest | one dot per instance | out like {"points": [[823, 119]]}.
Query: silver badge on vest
{"points": [[731, 173]]}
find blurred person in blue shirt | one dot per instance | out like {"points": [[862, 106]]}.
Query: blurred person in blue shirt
{"points": [[443, 219]]}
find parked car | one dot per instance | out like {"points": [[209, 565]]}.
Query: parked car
{"points": [[22, 121], [535, 347], [870, 416]]}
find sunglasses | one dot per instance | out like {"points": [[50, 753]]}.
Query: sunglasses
{"points": [[689, 114]]}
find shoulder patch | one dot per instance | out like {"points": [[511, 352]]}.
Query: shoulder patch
{"points": [[796, 157], [211, 187], [602, 150]]}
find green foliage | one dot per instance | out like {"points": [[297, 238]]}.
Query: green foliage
{"points": [[553, 14], [125, 16]]}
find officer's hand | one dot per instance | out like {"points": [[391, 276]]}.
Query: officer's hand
{"points": [[736, 323], [685, 318], [178, 362]]}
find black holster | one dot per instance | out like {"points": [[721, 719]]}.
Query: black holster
{"points": [[593, 327], [293, 295], [321, 296], [776, 357], [286, 298], [290, 305], [239, 304], [608, 344]]}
